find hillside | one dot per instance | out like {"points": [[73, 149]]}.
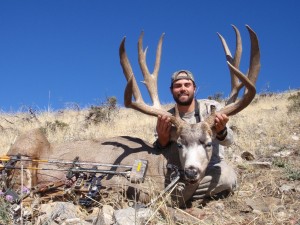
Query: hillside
{"points": [[266, 152]]}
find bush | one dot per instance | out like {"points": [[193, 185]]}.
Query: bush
{"points": [[102, 113], [219, 97], [291, 171], [294, 103], [56, 125], [5, 217]]}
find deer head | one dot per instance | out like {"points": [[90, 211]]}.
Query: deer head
{"points": [[194, 140]]}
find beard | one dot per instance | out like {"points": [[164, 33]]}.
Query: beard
{"points": [[185, 102]]}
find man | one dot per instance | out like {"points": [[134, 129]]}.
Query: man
{"points": [[219, 176]]}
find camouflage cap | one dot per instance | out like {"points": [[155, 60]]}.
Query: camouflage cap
{"points": [[182, 74]]}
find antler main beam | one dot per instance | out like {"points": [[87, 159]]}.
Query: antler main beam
{"points": [[236, 85], [238, 79]]}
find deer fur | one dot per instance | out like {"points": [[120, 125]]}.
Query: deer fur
{"points": [[119, 150]]}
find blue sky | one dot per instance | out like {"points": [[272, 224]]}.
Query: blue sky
{"points": [[55, 53]]}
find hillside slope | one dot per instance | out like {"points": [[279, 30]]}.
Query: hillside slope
{"points": [[266, 152]]}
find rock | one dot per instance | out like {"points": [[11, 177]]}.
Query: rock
{"points": [[257, 212], [295, 137], [286, 188], [257, 205], [282, 216], [220, 206], [106, 215], [131, 216], [273, 148], [74, 221], [95, 217], [283, 154], [297, 188], [60, 213], [190, 215], [237, 158], [263, 204]]}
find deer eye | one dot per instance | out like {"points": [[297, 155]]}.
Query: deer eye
{"points": [[201, 142], [208, 145], [179, 145]]}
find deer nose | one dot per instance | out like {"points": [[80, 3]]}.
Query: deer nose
{"points": [[191, 173]]}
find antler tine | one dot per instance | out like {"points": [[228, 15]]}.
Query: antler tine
{"points": [[127, 70], [255, 56], [236, 85], [150, 80], [133, 90], [249, 81]]}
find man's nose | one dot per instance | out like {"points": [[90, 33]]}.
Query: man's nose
{"points": [[182, 88]]}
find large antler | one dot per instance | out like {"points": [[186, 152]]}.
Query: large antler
{"points": [[150, 80], [238, 79]]}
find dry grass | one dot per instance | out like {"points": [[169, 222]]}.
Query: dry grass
{"points": [[263, 129], [72, 125]]}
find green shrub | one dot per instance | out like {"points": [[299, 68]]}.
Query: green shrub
{"points": [[291, 172], [5, 217]]}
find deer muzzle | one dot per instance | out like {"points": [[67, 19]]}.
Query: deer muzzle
{"points": [[192, 174]]}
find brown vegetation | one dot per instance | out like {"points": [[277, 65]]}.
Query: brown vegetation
{"points": [[266, 153]]}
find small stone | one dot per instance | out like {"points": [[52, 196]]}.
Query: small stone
{"points": [[285, 188], [220, 206], [295, 138], [282, 215], [283, 154], [258, 212]]}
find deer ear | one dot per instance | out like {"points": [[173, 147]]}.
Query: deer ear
{"points": [[174, 135], [210, 120], [213, 109], [176, 131]]}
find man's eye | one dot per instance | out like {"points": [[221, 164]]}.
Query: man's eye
{"points": [[177, 86]]}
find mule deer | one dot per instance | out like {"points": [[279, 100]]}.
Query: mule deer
{"points": [[193, 155]]}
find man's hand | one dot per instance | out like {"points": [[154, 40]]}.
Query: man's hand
{"points": [[220, 122], [163, 128]]}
